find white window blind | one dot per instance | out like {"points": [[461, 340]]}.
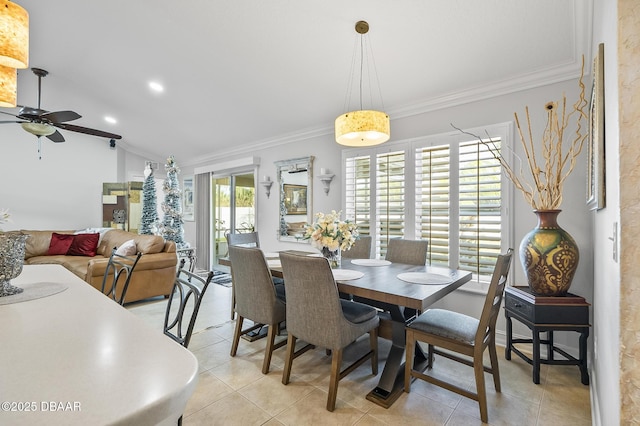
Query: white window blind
{"points": [[390, 198]]}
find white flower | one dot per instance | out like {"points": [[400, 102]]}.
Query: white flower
{"points": [[330, 232], [4, 216]]}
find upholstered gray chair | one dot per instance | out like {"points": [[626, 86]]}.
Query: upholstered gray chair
{"points": [[410, 252], [257, 298], [315, 314], [246, 239], [117, 275], [459, 333], [360, 250]]}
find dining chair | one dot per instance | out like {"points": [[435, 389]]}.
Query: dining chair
{"points": [[410, 252], [247, 239], [257, 298], [119, 267], [457, 333], [188, 291], [361, 249], [317, 315]]}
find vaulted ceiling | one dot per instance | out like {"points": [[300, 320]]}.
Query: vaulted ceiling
{"points": [[246, 72]]}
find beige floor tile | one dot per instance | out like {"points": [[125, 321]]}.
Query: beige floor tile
{"points": [[233, 390]]}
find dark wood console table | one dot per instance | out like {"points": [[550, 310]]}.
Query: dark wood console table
{"points": [[540, 314]]}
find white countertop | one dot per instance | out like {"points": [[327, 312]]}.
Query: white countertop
{"points": [[88, 355]]}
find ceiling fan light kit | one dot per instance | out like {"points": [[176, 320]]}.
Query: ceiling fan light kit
{"points": [[38, 129], [14, 35], [364, 127]]}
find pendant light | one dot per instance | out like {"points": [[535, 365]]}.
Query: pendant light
{"points": [[14, 35], [8, 86], [364, 127]]}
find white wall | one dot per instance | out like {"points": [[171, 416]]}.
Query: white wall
{"points": [[63, 190], [605, 374]]}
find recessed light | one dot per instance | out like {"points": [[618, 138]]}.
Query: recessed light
{"points": [[156, 87], [109, 119]]}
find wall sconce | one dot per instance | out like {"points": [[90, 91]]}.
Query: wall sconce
{"points": [[267, 182], [325, 177]]}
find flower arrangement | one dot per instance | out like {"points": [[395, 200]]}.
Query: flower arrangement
{"points": [[542, 186], [328, 231]]}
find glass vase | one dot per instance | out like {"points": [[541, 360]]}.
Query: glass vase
{"points": [[333, 256], [12, 248]]}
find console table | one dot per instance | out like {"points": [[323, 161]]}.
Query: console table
{"points": [[547, 314]]}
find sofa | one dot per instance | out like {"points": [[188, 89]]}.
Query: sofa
{"points": [[153, 276]]}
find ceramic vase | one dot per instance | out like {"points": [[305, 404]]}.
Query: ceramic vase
{"points": [[12, 247], [333, 256], [549, 256]]}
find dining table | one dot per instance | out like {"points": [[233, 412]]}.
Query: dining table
{"points": [[404, 291], [72, 356]]}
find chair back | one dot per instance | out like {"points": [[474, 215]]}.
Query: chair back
{"points": [[410, 252], [246, 239], [117, 275], [184, 304], [314, 311], [491, 308], [361, 249], [255, 293]]}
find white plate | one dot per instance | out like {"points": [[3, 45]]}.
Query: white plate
{"points": [[370, 262], [425, 278], [346, 274], [272, 254], [315, 255]]}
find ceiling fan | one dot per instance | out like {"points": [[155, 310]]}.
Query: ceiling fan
{"points": [[41, 122]]}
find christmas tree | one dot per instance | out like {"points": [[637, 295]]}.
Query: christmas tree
{"points": [[150, 219], [172, 229]]}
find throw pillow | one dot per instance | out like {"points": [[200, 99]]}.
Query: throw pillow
{"points": [[60, 243], [128, 248], [84, 245]]}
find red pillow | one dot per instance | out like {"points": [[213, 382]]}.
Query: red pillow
{"points": [[60, 243], [84, 245]]}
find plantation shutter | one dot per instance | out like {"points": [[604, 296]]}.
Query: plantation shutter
{"points": [[390, 197], [479, 208], [433, 201], [358, 192]]}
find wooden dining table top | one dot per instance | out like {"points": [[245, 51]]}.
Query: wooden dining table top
{"points": [[381, 283]]}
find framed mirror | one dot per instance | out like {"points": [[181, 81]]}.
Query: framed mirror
{"points": [[295, 179]]}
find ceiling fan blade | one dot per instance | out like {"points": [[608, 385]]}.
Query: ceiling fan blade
{"points": [[8, 113], [87, 131], [60, 116], [11, 121], [56, 136]]}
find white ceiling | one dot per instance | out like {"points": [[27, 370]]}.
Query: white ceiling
{"points": [[246, 72]]}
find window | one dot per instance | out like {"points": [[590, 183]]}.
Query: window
{"points": [[447, 189]]}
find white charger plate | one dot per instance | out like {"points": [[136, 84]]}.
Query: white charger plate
{"points": [[370, 262], [346, 274], [425, 278]]}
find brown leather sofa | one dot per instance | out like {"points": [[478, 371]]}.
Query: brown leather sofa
{"points": [[153, 276]]}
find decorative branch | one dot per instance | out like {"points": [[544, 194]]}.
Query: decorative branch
{"points": [[542, 187]]}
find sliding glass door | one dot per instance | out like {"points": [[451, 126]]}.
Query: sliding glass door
{"points": [[233, 209]]}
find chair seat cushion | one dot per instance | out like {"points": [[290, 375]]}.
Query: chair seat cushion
{"points": [[444, 323], [357, 312], [280, 292]]}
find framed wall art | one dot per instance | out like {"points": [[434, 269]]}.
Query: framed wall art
{"points": [[187, 199], [295, 199], [596, 146]]}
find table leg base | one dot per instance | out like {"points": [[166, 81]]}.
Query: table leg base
{"points": [[254, 335], [384, 398]]}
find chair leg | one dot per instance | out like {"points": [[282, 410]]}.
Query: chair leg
{"points": [[478, 368], [236, 335], [373, 341], [233, 301], [408, 364], [430, 356], [291, 346], [495, 371], [271, 338], [336, 362]]}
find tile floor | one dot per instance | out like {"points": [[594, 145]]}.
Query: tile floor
{"points": [[233, 391]]}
